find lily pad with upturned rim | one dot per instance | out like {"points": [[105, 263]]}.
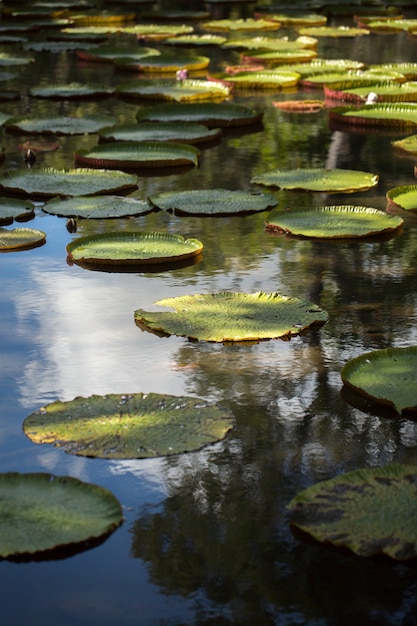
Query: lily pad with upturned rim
{"points": [[164, 63], [333, 31], [129, 426], [240, 24], [265, 79], [392, 114], [209, 113], [132, 248], [277, 57], [385, 376], [97, 207], [15, 209], [328, 222], [109, 53], [370, 511], [404, 196], [68, 182], [318, 179], [131, 154], [196, 40], [70, 91], [408, 144], [213, 201], [232, 317], [175, 91], [40, 512], [21, 239], [180, 132], [60, 125]]}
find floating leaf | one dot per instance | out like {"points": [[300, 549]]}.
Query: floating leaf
{"points": [[131, 154], [60, 125], [21, 239], [385, 376], [70, 90], [300, 106], [10, 60], [241, 24], [285, 19], [403, 115], [14, 209], [407, 69], [40, 512], [76, 182], [318, 179], [213, 201], [129, 426], [174, 90], [180, 132], [175, 15], [265, 44], [370, 511], [334, 222], [404, 196], [109, 53], [196, 40], [325, 66], [164, 63], [266, 79], [209, 113], [333, 31], [157, 31], [276, 57], [408, 144], [132, 248], [229, 316], [92, 207], [393, 92]]}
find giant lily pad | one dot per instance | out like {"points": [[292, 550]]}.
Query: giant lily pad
{"points": [[21, 239], [164, 63], [60, 125], [276, 57], [229, 316], [264, 44], [241, 24], [213, 201], [71, 90], [110, 53], [92, 207], [385, 376], [334, 222], [10, 60], [130, 154], [404, 196], [333, 31], [66, 182], [408, 144], [391, 92], [266, 79], [317, 179], [180, 132], [370, 511], [40, 512], [393, 114], [175, 91], [196, 40], [132, 248], [129, 426], [157, 32], [15, 209], [209, 113]]}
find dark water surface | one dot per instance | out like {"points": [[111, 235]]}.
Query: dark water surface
{"points": [[206, 538]]}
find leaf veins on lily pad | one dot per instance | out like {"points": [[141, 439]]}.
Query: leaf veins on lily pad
{"points": [[213, 201], [334, 222], [21, 239], [318, 179], [131, 154], [40, 512], [129, 426], [231, 316], [385, 376], [369, 511]]}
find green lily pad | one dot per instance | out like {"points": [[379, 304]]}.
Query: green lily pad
{"points": [[164, 63], [408, 144], [21, 239], [241, 24], [40, 512], [404, 196], [60, 125], [369, 511], [196, 40], [333, 31], [130, 154], [351, 78], [107, 53], [334, 222], [129, 426], [213, 201], [280, 57], [132, 248], [264, 44], [158, 31], [319, 66], [407, 69], [391, 92], [99, 207], [15, 209], [180, 132], [391, 26], [211, 114], [175, 91], [167, 15], [266, 79], [385, 376], [230, 317], [393, 114], [285, 19], [71, 90], [10, 60], [66, 182], [318, 179]]}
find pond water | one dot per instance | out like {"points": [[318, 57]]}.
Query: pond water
{"points": [[205, 538]]}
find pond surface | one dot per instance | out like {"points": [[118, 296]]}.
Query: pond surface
{"points": [[206, 538]]}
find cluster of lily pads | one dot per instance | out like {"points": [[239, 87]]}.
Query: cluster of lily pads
{"points": [[189, 112]]}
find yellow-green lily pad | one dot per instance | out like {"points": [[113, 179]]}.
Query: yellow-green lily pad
{"points": [[408, 144], [21, 239], [230, 316], [318, 179], [333, 31], [386, 376], [129, 426], [40, 512], [174, 90], [370, 511], [328, 222], [240, 24], [404, 196], [265, 79], [385, 114], [164, 63], [131, 154]]}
